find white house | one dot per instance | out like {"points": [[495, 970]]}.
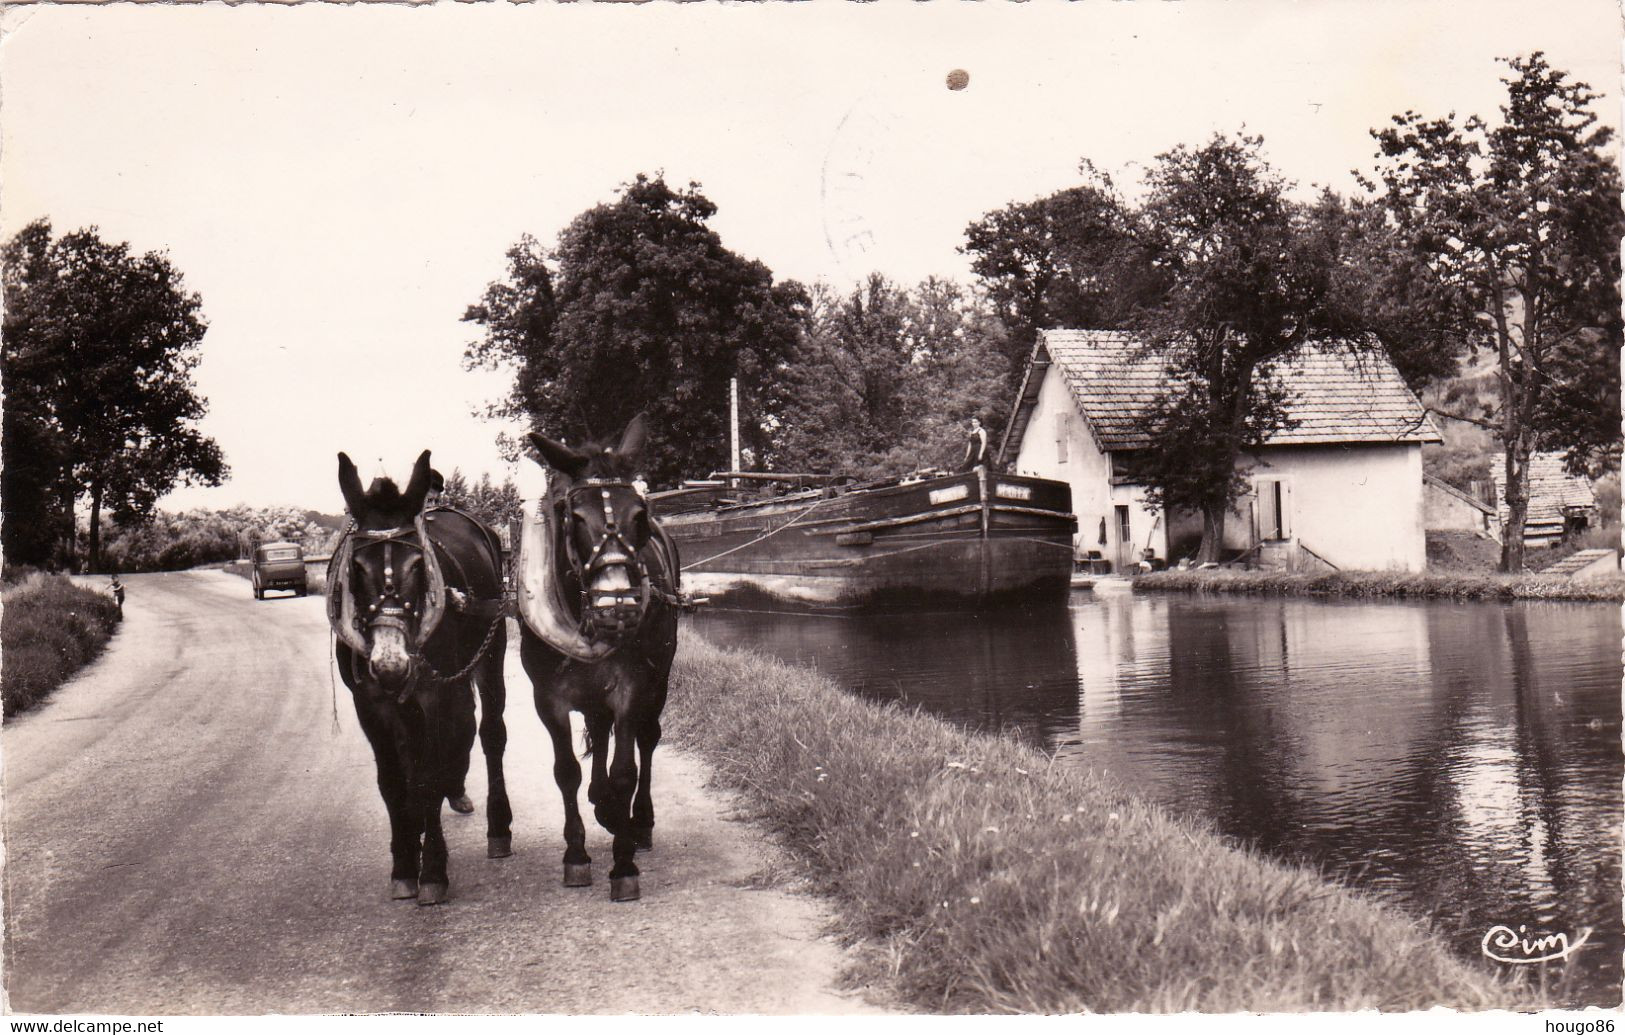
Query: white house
{"points": [[1340, 487]]}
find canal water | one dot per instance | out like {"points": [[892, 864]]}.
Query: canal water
{"points": [[1461, 760]]}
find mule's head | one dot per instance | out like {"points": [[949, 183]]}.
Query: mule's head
{"points": [[387, 578], [605, 524]]}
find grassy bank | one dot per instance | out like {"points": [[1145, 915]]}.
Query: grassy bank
{"points": [[50, 629], [976, 878], [1452, 585]]}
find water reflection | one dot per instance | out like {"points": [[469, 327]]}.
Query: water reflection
{"points": [[1460, 759], [1010, 672]]}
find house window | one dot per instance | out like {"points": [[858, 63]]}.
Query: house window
{"points": [[1274, 508], [1063, 429], [1125, 534]]}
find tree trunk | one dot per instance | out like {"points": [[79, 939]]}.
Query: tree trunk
{"points": [[95, 526], [1234, 418], [1518, 400], [1212, 533], [70, 530], [1518, 449]]}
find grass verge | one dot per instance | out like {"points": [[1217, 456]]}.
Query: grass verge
{"points": [[976, 878], [50, 629], [1453, 585]]}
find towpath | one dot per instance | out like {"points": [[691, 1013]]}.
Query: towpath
{"points": [[187, 831]]}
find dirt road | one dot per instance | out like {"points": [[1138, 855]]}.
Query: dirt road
{"points": [[186, 831]]}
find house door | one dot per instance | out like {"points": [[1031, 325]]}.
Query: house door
{"points": [[1125, 541]]}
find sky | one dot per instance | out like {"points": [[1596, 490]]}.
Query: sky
{"points": [[339, 183]]}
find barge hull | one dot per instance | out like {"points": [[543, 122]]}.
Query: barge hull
{"points": [[944, 542]]}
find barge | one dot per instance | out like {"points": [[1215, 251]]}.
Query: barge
{"points": [[932, 540]]}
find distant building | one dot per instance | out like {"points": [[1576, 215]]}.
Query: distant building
{"points": [[1340, 488], [1559, 503]]}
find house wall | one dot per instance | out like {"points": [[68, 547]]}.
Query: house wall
{"points": [[1445, 511], [1088, 471], [1358, 505]]}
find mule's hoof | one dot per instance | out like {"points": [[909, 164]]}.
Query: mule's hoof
{"points": [[623, 889], [403, 889], [577, 875], [644, 839], [461, 804], [498, 847], [431, 894]]}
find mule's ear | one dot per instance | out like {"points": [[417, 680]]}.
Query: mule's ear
{"points": [[558, 456], [633, 438], [350, 486], [418, 487]]}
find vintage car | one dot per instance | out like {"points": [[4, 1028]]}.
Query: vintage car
{"points": [[279, 566]]}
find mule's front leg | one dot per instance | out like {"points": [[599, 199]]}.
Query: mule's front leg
{"points": [[643, 806], [389, 744], [555, 715], [432, 778], [615, 813], [494, 742]]}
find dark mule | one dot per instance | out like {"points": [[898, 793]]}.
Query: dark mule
{"points": [[599, 596], [415, 599]]}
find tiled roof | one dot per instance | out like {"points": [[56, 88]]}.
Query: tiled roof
{"points": [[1335, 396], [1551, 488]]}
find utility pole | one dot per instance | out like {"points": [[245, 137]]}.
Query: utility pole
{"points": [[733, 424]]}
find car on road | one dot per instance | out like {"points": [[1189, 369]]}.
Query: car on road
{"points": [[279, 566]]}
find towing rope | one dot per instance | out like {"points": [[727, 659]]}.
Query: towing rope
{"points": [[765, 535]]}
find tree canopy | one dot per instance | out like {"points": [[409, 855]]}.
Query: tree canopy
{"points": [[1217, 271], [1511, 235], [644, 310], [1057, 262], [885, 379], [494, 504], [99, 350]]}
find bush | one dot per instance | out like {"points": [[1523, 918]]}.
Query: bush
{"points": [[50, 629]]}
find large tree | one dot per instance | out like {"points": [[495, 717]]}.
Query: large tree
{"points": [[518, 314], [646, 311], [99, 350], [1057, 261], [1514, 234], [1246, 278]]}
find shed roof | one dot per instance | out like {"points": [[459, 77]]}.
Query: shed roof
{"points": [[1551, 489], [1335, 395]]}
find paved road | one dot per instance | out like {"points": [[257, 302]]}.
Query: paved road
{"points": [[187, 832]]}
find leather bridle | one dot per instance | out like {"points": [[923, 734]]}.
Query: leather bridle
{"points": [[390, 609], [608, 613]]}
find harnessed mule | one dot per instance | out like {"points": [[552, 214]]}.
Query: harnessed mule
{"points": [[415, 601], [599, 597]]}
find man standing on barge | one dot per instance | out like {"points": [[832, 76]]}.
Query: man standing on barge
{"points": [[975, 446]]}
